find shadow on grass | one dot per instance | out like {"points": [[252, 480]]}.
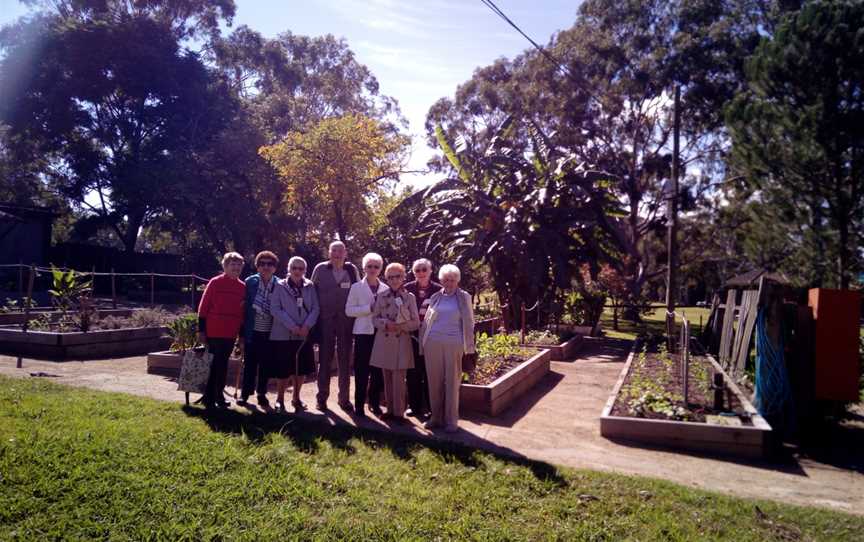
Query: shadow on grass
{"points": [[308, 431]]}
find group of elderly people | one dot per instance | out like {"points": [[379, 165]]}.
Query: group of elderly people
{"points": [[407, 338]]}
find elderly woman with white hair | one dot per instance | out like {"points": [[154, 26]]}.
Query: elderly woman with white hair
{"points": [[360, 303], [446, 335], [395, 316], [295, 310]]}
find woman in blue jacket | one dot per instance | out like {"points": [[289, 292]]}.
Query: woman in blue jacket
{"points": [[295, 311]]}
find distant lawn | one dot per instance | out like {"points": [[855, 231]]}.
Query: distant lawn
{"points": [[80, 464], [653, 322]]}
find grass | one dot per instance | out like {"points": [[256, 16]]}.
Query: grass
{"points": [[80, 464], [654, 322]]}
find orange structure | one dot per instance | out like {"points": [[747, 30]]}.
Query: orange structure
{"points": [[836, 315]]}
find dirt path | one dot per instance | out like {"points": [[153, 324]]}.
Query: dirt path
{"points": [[558, 422]]}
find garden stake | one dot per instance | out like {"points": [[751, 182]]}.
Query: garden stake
{"points": [[19, 363]]}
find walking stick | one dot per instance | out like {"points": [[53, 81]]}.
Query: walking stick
{"points": [[239, 371]]}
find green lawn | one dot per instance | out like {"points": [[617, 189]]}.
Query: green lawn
{"points": [[80, 464], [653, 322]]}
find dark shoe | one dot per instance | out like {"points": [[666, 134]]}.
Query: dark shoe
{"points": [[346, 406], [263, 402], [223, 404], [375, 409], [298, 405], [280, 407], [243, 401], [322, 406]]}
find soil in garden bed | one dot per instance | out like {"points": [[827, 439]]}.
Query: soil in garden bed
{"points": [[653, 390], [491, 368]]}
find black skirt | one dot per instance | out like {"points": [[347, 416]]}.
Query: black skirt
{"points": [[290, 362]]}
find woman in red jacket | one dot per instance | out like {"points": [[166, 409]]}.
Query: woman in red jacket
{"points": [[220, 319]]}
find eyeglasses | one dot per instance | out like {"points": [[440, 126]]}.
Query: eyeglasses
{"points": [[394, 277], [266, 264], [421, 270], [297, 268], [372, 266]]}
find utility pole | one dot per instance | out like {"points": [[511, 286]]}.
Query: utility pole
{"points": [[672, 230]]}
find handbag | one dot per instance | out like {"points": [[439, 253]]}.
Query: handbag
{"points": [[195, 371], [469, 362]]}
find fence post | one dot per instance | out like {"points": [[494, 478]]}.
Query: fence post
{"points": [[522, 329], [152, 290], [19, 363], [113, 289]]}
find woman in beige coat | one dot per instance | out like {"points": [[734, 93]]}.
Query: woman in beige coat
{"points": [[395, 316]]}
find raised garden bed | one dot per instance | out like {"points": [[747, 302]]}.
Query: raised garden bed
{"points": [[561, 346], [646, 406], [496, 396], [167, 363], [62, 346], [13, 318]]}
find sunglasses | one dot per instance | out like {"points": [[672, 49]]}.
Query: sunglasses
{"points": [[373, 266], [421, 270], [297, 268], [394, 277], [266, 264]]}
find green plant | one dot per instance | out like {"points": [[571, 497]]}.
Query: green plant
{"points": [[13, 305], [70, 288], [659, 402], [501, 345], [184, 332], [543, 337]]}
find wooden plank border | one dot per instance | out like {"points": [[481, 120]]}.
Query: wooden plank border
{"points": [[496, 397], [746, 441]]}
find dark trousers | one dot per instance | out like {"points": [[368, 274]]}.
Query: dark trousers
{"points": [[256, 361], [418, 385], [335, 337], [364, 374], [221, 350]]}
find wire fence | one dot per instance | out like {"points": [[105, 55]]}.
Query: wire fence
{"points": [[32, 283]]}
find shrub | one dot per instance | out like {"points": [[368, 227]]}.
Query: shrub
{"points": [[184, 332], [151, 318]]}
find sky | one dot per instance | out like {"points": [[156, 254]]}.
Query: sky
{"points": [[419, 50]]}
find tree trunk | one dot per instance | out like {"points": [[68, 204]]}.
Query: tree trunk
{"points": [[133, 226]]}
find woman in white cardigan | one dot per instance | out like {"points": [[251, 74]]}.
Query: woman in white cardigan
{"points": [[361, 300]]}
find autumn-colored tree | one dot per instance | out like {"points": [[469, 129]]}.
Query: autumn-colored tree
{"points": [[331, 172]]}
